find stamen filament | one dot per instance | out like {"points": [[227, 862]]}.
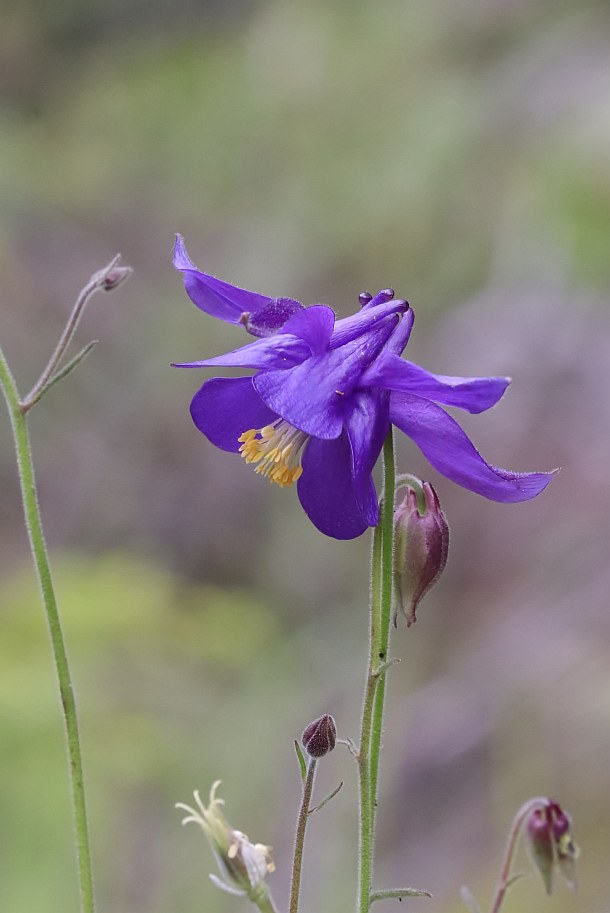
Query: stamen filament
{"points": [[278, 449]]}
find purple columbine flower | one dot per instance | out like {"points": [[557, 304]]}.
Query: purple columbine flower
{"points": [[324, 395]]}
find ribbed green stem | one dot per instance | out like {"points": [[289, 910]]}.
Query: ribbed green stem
{"points": [[372, 707], [41, 562]]}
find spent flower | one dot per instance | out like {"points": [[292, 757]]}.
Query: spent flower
{"points": [[324, 396], [243, 865]]}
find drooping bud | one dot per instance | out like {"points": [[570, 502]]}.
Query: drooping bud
{"points": [[116, 277], [549, 840], [421, 546], [243, 865], [320, 736]]}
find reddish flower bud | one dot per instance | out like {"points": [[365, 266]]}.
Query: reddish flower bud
{"points": [[320, 736], [422, 542], [550, 844]]}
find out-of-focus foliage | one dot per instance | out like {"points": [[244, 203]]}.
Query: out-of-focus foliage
{"points": [[455, 150]]}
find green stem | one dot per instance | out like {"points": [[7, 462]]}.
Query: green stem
{"points": [[387, 583], [365, 848], [41, 562], [299, 841], [372, 708], [266, 905]]}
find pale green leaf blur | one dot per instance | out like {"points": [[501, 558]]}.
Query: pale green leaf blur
{"points": [[457, 150]]}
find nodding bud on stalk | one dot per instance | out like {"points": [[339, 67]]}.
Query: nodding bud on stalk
{"points": [[422, 542], [320, 736], [550, 843], [115, 277]]}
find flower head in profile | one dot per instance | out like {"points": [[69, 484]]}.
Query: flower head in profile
{"points": [[243, 865], [324, 395]]}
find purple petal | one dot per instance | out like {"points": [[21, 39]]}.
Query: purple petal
{"points": [[314, 395], [450, 451], [313, 324], [349, 328], [400, 337], [221, 300], [181, 257], [385, 294], [275, 352], [326, 489], [225, 407], [472, 393], [367, 426]]}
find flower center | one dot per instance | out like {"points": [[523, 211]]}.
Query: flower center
{"points": [[277, 449]]}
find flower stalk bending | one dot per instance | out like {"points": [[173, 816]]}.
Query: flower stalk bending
{"points": [[106, 279]]}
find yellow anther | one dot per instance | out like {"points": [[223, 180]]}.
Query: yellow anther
{"points": [[277, 449]]}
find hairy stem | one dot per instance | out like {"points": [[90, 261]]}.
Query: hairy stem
{"points": [[386, 584], [40, 558], [299, 841], [372, 707]]}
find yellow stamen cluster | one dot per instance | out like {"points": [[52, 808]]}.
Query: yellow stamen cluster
{"points": [[277, 449]]}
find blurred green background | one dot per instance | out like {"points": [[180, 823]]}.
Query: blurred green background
{"points": [[457, 150]]}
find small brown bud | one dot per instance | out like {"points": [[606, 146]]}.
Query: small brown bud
{"points": [[320, 736]]}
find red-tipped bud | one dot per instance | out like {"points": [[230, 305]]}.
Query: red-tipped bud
{"points": [[550, 843], [320, 736], [422, 543]]}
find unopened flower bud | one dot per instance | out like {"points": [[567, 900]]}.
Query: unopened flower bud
{"points": [[320, 736], [548, 831], [422, 542], [116, 277]]}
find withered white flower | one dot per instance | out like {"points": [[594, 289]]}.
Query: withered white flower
{"points": [[243, 865]]}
